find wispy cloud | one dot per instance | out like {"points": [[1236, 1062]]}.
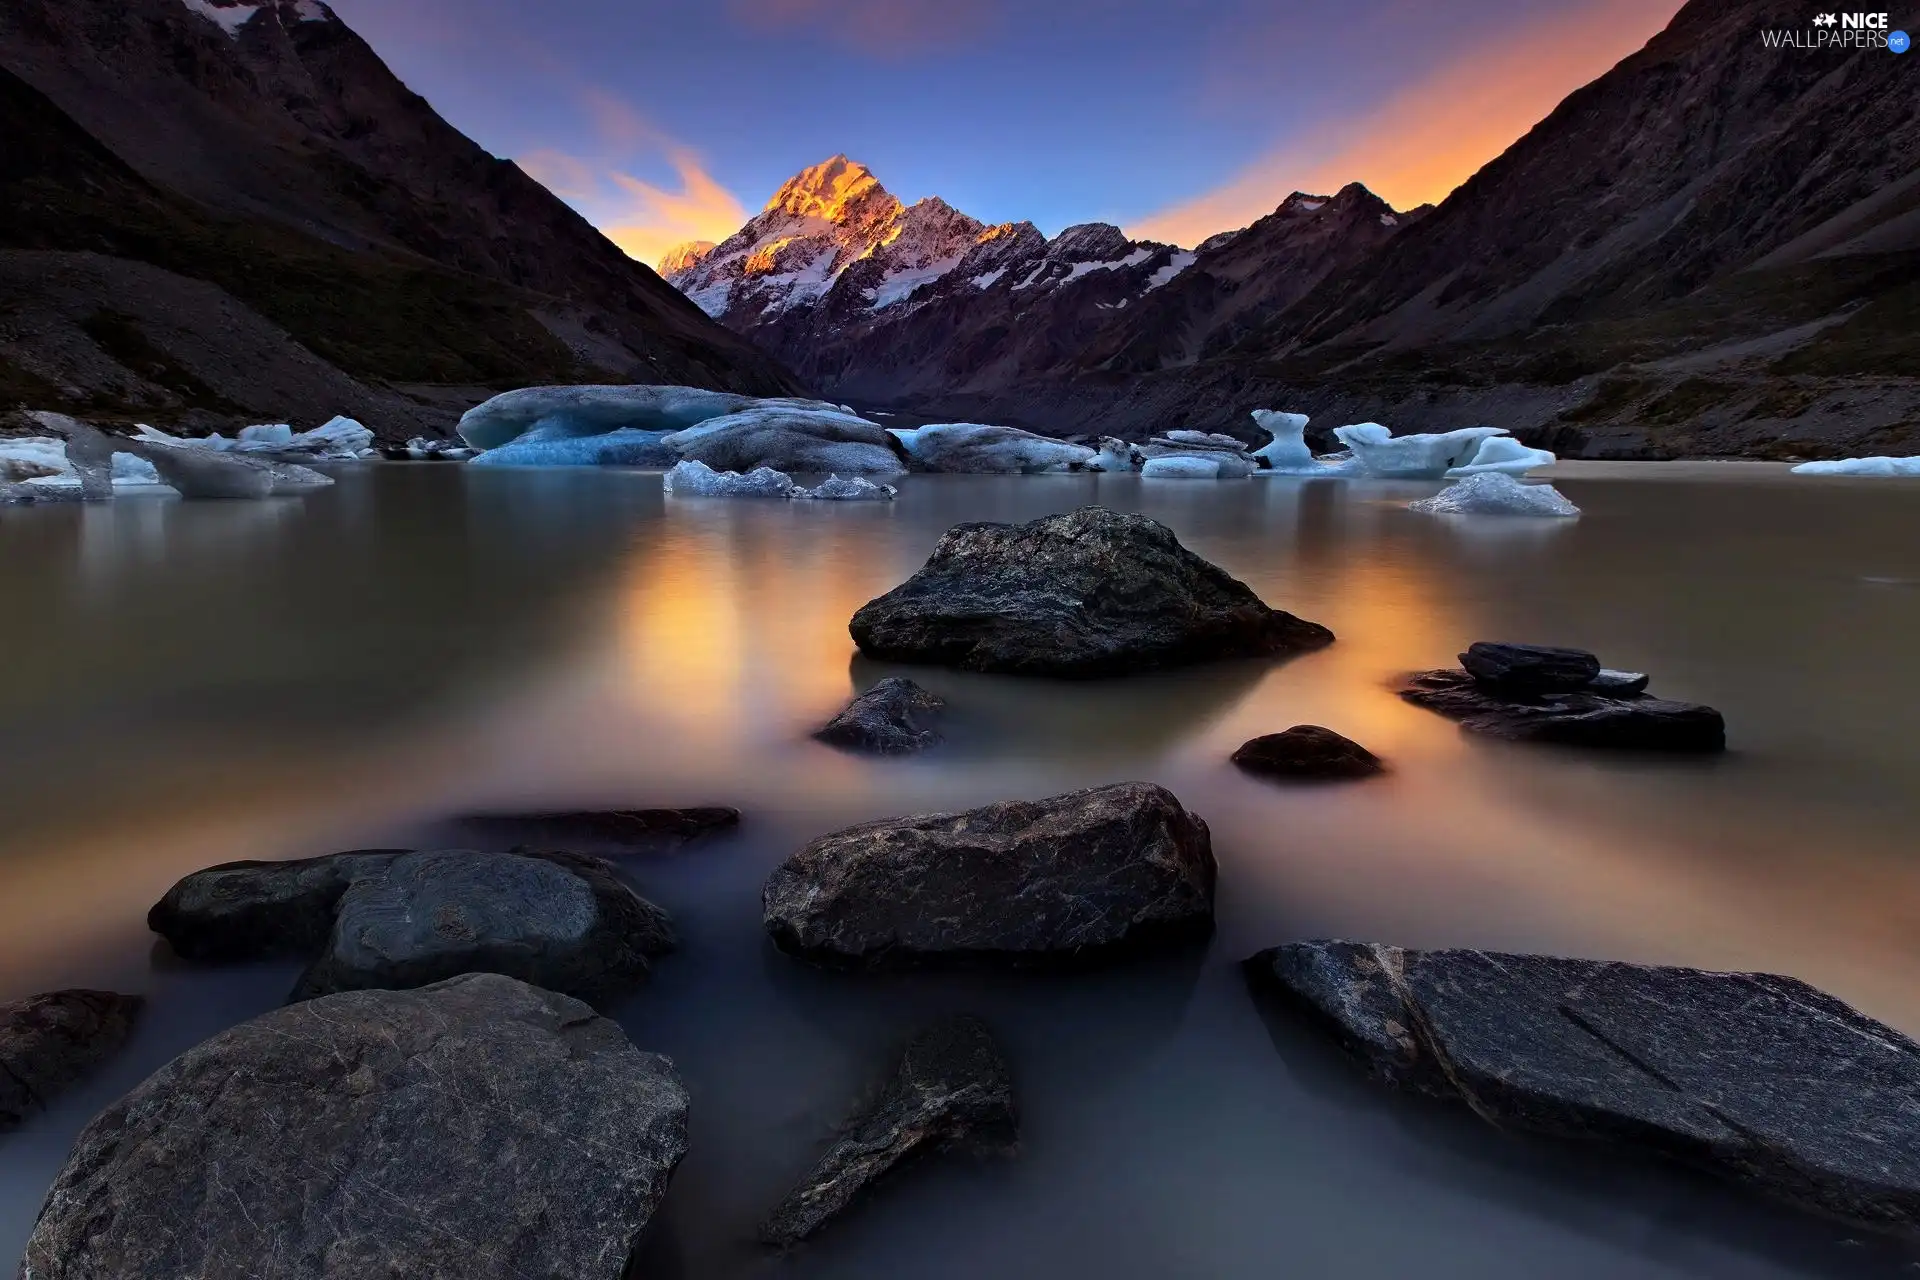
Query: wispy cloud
{"points": [[884, 28], [1428, 139], [643, 218]]}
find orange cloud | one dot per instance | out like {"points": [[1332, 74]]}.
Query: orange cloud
{"points": [[1428, 139], [887, 28]]}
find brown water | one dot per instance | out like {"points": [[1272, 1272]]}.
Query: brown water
{"points": [[192, 683]]}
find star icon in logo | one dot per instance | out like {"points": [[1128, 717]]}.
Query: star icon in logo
{"points": [[1825, 20]]}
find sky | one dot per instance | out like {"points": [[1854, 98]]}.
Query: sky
{"points": [[671, 120]]}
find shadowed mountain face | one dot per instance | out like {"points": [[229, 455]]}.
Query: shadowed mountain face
{"points": [[1710, 249], [264, 160]]}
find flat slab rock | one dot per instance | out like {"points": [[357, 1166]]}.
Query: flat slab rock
{"points": [[1761, 1079], [1530, 668], [1086, 594], [895, 717], [1595, 716], [396, 920], [50, 1042], [951, 1088], [1307, 752], [479, 1129], [1067, 880]]}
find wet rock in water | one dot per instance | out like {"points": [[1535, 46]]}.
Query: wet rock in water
{"points": [[260, 910], [951, 1089], [1090, 593], [1068, 880], [558, 920], [1307, 751], [1760, 1079], [1530, 668], [895, 717], [1584, 718], [49, 1042], [646, 830], [406, 919], [479, 1129]]}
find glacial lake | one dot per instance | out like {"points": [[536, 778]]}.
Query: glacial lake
{"points": [[189, 684]]}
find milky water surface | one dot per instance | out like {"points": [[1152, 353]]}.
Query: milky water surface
{"points": [[193, 683]]}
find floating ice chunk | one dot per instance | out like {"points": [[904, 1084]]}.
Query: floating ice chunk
{"points": [[698, 480], [196, 472], [790, 436], [851, 489], [1503, 454], [1208, 439], [1495, 493], [553, 447], [977, 448], [592, 410], [1288, 450], [1861, 467], [427, 449], [1382, 454], [274, 435], [1183, 467], [338, 440], [33, 458], [1114, 455]]}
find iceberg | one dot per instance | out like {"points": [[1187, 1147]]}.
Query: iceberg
{"points": [[851, 489], [977, 448], [549, 446], [195, 471], [698, 480], [1114, 455], [1861, 467], [596, 410], [339, 439], [1383, 455], [1495, 493], [1503, 454], [1206, 439], [1287, 451], [787, 436], [1190, 467]]}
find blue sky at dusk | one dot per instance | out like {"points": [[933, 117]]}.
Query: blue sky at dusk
{"points": [[666, 120]]}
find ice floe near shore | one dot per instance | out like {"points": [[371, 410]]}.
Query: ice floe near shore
{"points": [[1495, 493], [1374, 452], [94, 464], [340, 439], [698, 480], [1883, 467]]}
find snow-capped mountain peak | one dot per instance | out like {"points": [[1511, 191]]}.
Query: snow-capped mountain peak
{"points": [[682, 256]]}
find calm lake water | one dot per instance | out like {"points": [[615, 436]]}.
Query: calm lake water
{"points": [[192, 683]]}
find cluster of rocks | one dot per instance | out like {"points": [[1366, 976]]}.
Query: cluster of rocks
{"points": [[1533, 693]]}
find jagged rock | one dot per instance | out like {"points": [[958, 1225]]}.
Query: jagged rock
{"points": [[1072, 879], [1307, 751], [1760, 1079], [49, 1042], [479, 1129], [647, 830], [1090, 593], [951, 1088], [895, 717], [396, 920], [1530, 668], [1583, 718]]}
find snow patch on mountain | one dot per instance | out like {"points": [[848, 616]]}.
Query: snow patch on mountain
{"points": [[229, 18], [1175, 265]]}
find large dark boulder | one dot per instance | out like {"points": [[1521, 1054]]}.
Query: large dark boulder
{"points": [[560, 920], [1071, 879], [1757, 1078], [895, 717], [52, 1041], [950, 1089], [1090, 593], [479, 1129], [1590, 717], [1307, 753], [1530, 668]]}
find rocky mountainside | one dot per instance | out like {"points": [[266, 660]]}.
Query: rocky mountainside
{"points": [[194, 186], [1711, 249], [867, 297]]}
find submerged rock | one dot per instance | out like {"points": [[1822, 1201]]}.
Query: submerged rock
{"points": [[1760, 1079], [1072, 879], [895, 717], [1590, 717], [1090, 593], [951, 1088], [1307, 751], [1530, 668], [50, 1042], [406, 919], [480, 1129], [558, 920]]}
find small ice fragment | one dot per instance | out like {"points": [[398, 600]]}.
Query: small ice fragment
{"points": [[698, 480], [1494, 493]]}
